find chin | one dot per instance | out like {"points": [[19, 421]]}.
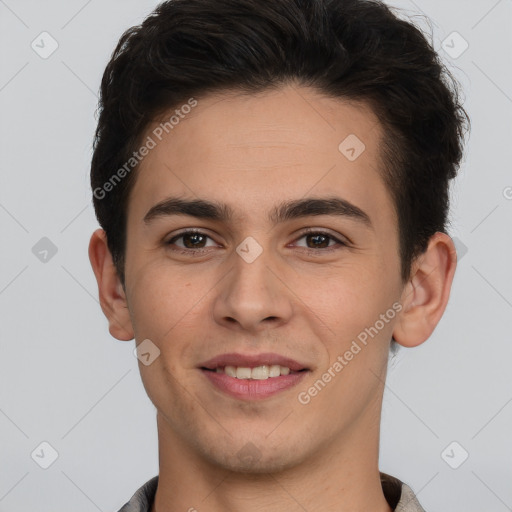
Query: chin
{"points": [[251, 459]]}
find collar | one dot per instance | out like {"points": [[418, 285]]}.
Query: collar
{"points": [[399, 495]]}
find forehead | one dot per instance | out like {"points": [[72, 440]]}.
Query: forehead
{"points": [[288, 122], [253, 150]]}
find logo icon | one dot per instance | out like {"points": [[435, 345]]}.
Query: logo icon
{"points": [[44, 45], [44, 250], [146, 352], [454, 455], [249, 249], [352, 147], [44, 455], [455, 45]]}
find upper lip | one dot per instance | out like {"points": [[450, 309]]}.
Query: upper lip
{"points": [[250, 361]]}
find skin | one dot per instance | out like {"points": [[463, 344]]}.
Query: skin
{"points": [[252, 152]]}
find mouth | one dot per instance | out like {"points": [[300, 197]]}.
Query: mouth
{"points": [[253, 377]]}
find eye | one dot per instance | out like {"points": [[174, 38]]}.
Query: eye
{"points": [[320, 241], [193, 240]]}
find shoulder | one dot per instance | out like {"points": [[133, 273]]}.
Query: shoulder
{"points": [[143, 498], [399, 495]]}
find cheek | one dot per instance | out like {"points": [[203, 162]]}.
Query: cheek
{"points": [[172, 310], [157, 302], [349, 307]]}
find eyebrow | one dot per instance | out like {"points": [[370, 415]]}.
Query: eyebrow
{"points": [[287, 210]]}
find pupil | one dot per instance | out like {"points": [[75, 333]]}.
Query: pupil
{"points": [[317, 237], [193, 236]]}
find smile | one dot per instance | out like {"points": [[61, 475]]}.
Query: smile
{"points": [[252, 377]]}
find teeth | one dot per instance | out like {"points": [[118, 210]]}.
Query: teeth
{"points": [[260, 372], [275, 370], [257, 373], [243, 373], [230, 371]]}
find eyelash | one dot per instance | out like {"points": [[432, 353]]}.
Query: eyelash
{"points": [[312, 231]]}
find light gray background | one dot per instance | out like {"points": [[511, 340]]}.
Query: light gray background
{"points": [[65, 381]]}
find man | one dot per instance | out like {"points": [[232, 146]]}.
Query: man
{"points": [[272, 183]]}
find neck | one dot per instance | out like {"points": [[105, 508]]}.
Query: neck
{"points": [[340, 477]]}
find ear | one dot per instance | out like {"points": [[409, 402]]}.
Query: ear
{"points": [[111, 292], [425, 296]]}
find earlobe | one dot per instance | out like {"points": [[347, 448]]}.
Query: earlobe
{"points": [[426, 295], [110, 289]]}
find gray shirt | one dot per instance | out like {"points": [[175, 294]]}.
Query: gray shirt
{"points": [[399, 496]]}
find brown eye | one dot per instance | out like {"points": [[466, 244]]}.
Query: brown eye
{"points": [[320, 241], [192, 240]]}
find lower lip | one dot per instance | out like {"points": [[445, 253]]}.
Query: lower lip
{"points": [[253, 389]]}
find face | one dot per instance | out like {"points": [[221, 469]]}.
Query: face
{"points": [[268, 289]]}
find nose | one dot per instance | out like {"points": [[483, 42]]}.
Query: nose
{"points": [[253, 296]]}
